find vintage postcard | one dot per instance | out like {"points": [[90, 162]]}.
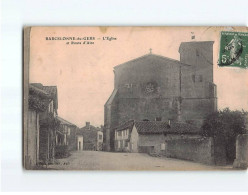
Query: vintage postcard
{"points": [[135, 98]]}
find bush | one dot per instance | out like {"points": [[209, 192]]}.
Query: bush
{"points": [[62, 151], [224, 126], [225, 123]]}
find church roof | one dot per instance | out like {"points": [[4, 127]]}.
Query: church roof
{"points": [[152, 56], [111, 98]]}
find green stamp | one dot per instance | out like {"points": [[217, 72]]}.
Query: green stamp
{"points": [[233, 49]]}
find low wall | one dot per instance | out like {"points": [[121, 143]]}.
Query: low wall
{"points": [[193, 149], [241, 160], [151, 143]]}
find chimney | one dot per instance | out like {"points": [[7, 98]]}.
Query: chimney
{"points": [[88, 125], [192, 35]]}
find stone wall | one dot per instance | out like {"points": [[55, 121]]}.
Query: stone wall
{"points": [[193, 149], [144, 108], [241, 160], [151, 143], [197, 109], [72, 139]]}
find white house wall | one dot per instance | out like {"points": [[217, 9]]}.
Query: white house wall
{"points": [[81, 140], [134, 140]]}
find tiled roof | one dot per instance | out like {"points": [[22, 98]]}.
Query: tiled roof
{"points": [[36, 91], [125, 125], [52, 90], [144, 126], [89, 134], [153, 127], [38, 99], [158, 127], [92, 128], [65, 122]]}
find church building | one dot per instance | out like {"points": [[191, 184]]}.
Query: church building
{"points": [[157, 88]]}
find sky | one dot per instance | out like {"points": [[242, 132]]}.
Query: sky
{"points": [[83, 73]]}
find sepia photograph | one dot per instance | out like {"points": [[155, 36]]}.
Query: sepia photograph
{"points": [[135, 98]]}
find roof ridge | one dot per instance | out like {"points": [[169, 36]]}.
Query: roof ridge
{"points": [[60, 118], [111, 97], [151, 54], [197, 42], [39, 90]]}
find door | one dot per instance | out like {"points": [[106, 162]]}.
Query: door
{"points": [[79, 146]]}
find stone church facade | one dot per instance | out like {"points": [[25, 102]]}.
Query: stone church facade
{"points": [[154, 87]]}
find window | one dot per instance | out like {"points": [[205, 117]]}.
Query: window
{"points": [[126, 144], [100, 137], [69, 131], [119, 133], [197, 53], [193, 78], [119, 144], [163, 146], [197, 78], [158, 119], [127, 85], [123, 143]]}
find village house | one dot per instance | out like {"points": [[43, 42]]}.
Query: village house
{"points": [[38, 101], [92, 137], [140, 136], [48, 125], [176, 140], [66, 134], [65, 138]]}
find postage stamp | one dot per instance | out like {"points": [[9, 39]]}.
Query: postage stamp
{"points": [[233, 49]]}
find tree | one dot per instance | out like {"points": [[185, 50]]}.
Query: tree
{"points": [[224, 126]]}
